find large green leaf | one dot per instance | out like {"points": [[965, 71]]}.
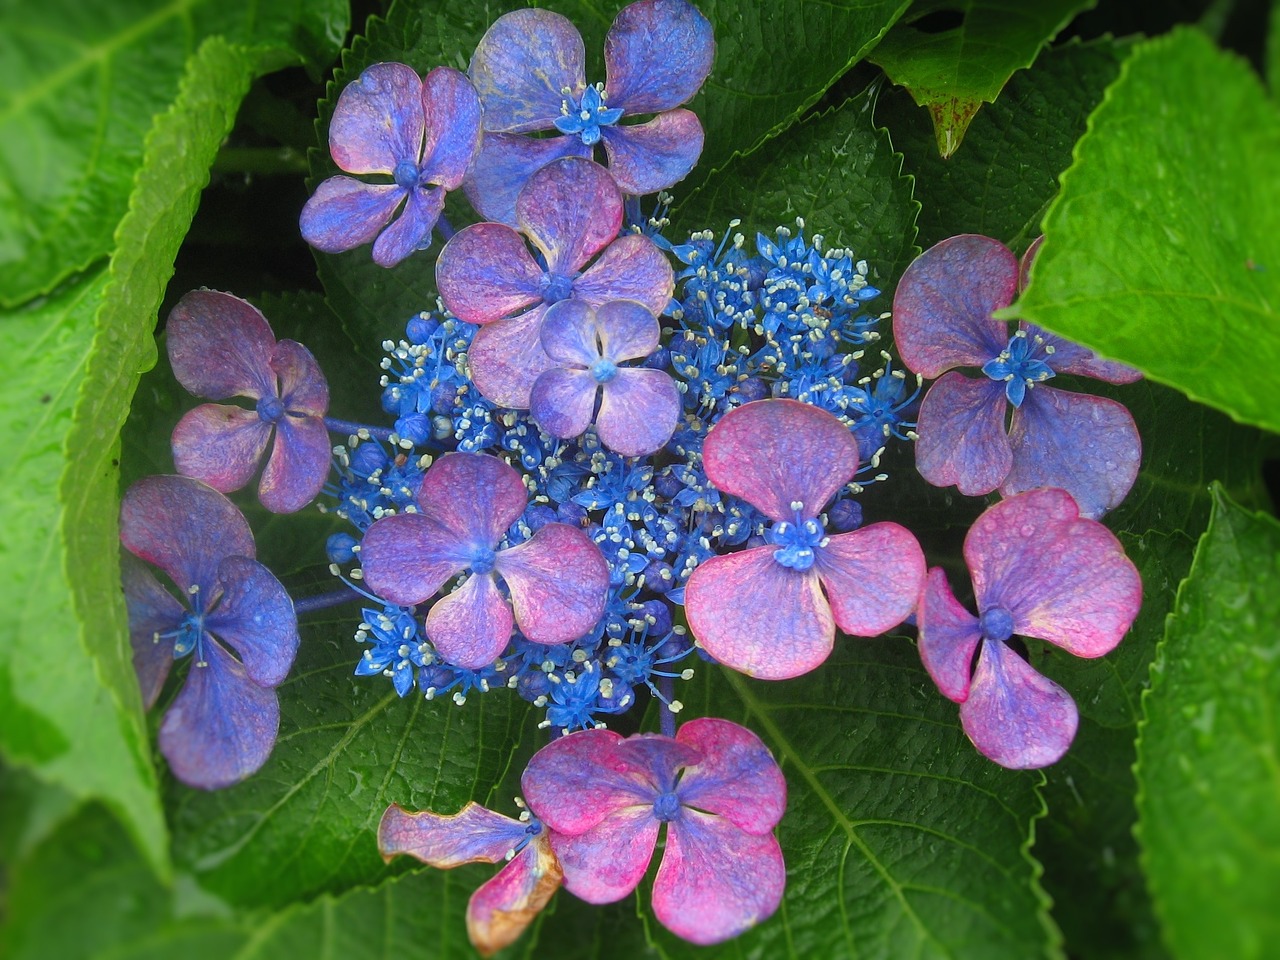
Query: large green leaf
{"points": [[1161, 248], [79, 84], [954, 69], [1209, 806]]}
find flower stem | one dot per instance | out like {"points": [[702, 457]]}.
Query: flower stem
{"points": [[323, 600], [666, 719], [349, 427]]}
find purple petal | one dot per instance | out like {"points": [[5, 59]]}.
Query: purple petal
{"points": [[504, 165], [1015, 716], [502, 907], [662, 756], [942, 310], [343, 213], [628, 330], [411, 230], [378, 121], [302, 385], [152, 610], [949, 637], [639, 410], [656, 55], [471, 626], [256, 617], [1064, 578], [184, 527], [648, 157], [485, 272], [220, 445], [299, 464], [408, 557], [606, 863], [576, 781], [873, 577], [715, 881], [758, 617], [568, 333], [473, 494], [558, 581], [631, 268], [452, 109], [772, 453], [562, 401], [506, 359], [961, 435], [1068, 357], [220, 346], [737, 777], [570, 209], [222, 726], [521, 65], [473, 834]]}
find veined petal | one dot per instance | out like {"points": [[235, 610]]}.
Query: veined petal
{"points": [[568, 333], [942, 309], [299, 464], [1015, 716], [558, 581], [408, 557], [343, 213], [606, 863], [873, 577], [452, 110], [570, 209], [521, 65], [715, 881], [773, 453], [412, 229], [631, 268], [1070, 357], [628, 330], [471, 626], [506, 358], [220, 444], [576, 781], [378, 121], [961, 435], [152, 611], [502, 907], [736, 778], [949, 637], [220, 346], [639, 410], [663, 757], [475, 495], [504, 165], [485, 272], [472, 834], [648, 157], [303, 388], [758, 617], [657, 55], [563, 400], [256, 618]]}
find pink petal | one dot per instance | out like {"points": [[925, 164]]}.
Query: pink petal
{"points": [[774, 452], [631, 268], [473, 834], [256, 618], [408, 557], [378, 121], [452, 110], [562, 401], [607, 862], [411, 230], [1015, 716], [506, 359], [657, 54], [220, 444], [578, 780], [736, 778], [758, 617], [570, 209], [873, 577], [220, 346], [558, 581], [949, 637], [503, 907], [648, 157], [475, 495], [520, 66], [639, 410], [715, 881], [961, 435], [569, 333], [152, 610], [299, 464], [344, 213], [628, 330], [302, 385], [504, 165], [1064, 578], [471, 626], [485, 272]]}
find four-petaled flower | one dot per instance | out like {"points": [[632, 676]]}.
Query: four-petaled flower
{"points": [[222, 347], [1039, 570], [638, 406], [557, 579], [715, 786], [570, 210], [529, 70], [942, 319], [222, 726], [762, 611], [423, 133]]}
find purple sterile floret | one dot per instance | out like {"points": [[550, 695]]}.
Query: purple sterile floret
{"points": [[570, 211], [772, 611], [1039, 570], [222, 725], [715, 786], [221, 347], [943, 320], [556, 581], [421, 132], [529, 69]]}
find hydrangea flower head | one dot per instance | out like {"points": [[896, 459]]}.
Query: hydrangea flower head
{"points": [[570, 211], [637, 406], [556, 580], [1040, 570], [221, 347], [771, 611], [421, 132], [529, 68], [714, 785], [222, 725], [1086, 445]]}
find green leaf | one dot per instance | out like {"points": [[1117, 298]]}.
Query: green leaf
{"points": [[953, 70], [79, 85], [1209, 755], [1161, 250]]}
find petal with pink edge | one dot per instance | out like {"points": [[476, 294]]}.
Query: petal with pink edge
{"points": [[758, 617], [255, 617], [715, 881], [558, 581], [961, 435], [605, 863], [631, 268], [408, 557], [1015, 716], [411, 230], [737, 777], [299, 464], [639, 410], [1069, 357], [303, 388], [220, 346], [521, 65], [475, 495], [152, 611], [506, 359], [942, 309], [471, 626], [344, 213], [772, 453], [452, 109], [661, 756], [628, 330], [504, 165], [1087, 445], [576, 781], [873, 577], [501, 908], [378, 121], [220, 445], [568, 333], [656, 55], [562, 401], [1064, 578], [949, 637], [485, 272], [648, 157], [570, 209], [472, 834]]}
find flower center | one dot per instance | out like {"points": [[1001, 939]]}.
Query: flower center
{"points": [[1018, 367], [556, 287], [482, 560], [270, 409], [667, 807], [996, 624], [188, 634], [586, 116], [797, 542], [604, 370], [406, 174]]}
